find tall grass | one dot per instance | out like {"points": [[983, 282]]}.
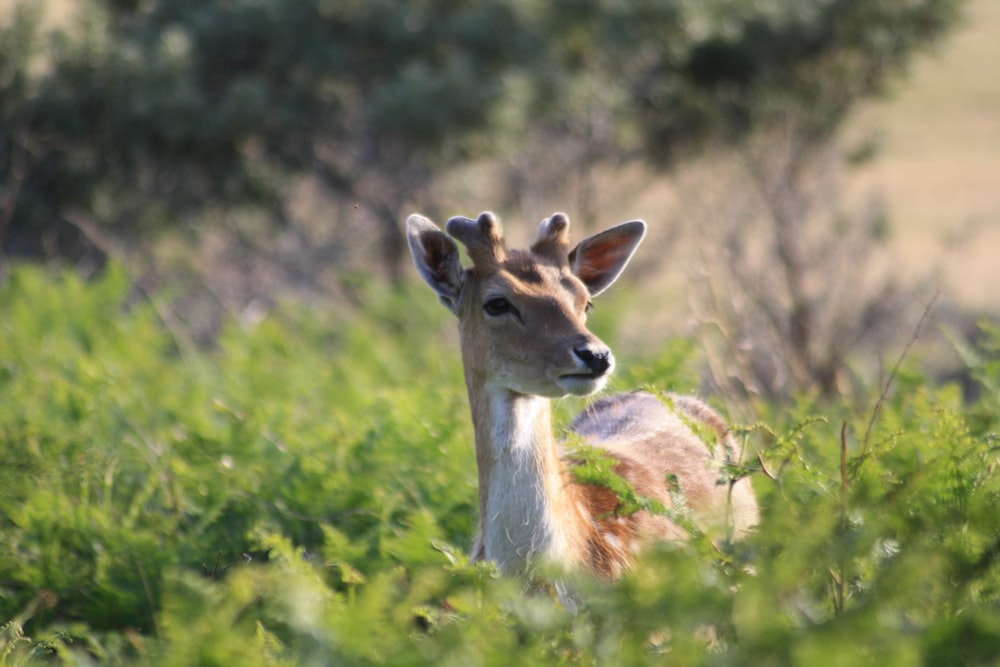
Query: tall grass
{"points": [[305, 492]]}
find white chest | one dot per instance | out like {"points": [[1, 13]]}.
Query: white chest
{"points": [[524, 522]]}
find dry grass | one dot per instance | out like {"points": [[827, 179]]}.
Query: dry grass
{"points": [[939, 168]]}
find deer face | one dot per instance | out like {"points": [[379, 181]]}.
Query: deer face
{"points": [[522, 314], [523, 328]]}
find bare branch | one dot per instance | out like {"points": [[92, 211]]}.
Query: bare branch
{"points": [[877, 409]]}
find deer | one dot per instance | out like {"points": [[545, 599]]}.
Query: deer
{"points": [[522, 322]]}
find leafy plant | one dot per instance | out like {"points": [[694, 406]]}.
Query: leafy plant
{"points": [[304, 494]]}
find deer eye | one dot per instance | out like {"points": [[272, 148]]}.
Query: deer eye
{"points": [[589, 307], [497, 307]]}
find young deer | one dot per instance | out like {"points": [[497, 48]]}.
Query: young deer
{"points": [[522, 322]]}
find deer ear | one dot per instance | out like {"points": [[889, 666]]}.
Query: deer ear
{"points": [[437, 259], [599, 259]]}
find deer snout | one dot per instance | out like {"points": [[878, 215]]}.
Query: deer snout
{"points": [[594, 363], [597, 360]]}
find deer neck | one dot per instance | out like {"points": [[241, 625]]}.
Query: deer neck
{"points": [[529, 513]]}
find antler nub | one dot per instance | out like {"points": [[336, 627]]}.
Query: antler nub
{"points": [[553, 238], [483, 237]]}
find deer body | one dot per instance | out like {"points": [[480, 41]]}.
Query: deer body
{"points": [[522, 325]]}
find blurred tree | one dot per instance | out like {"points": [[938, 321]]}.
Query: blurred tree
{"points": [[28, 162], [693, 74], [153, 111], [804, 288]]}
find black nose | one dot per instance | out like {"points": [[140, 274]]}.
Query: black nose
{"points": [[598, 361]]}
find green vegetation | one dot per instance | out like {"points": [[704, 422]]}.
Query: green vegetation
{"points": [[304, 493]]}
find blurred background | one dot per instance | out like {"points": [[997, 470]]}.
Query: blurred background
{"points": [[815, 172]]}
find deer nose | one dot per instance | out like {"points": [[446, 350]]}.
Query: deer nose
{"points": [[598, 361]]}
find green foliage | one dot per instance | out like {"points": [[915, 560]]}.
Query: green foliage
{"points": [[125, 457], [293, 497], [593, 466]]}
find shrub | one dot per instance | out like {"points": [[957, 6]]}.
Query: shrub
{"points": [[304, 493]]}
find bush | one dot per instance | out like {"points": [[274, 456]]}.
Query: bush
{"points": [[305, 492]]}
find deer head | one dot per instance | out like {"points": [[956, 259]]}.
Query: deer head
{"points": [[523, 314]]}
